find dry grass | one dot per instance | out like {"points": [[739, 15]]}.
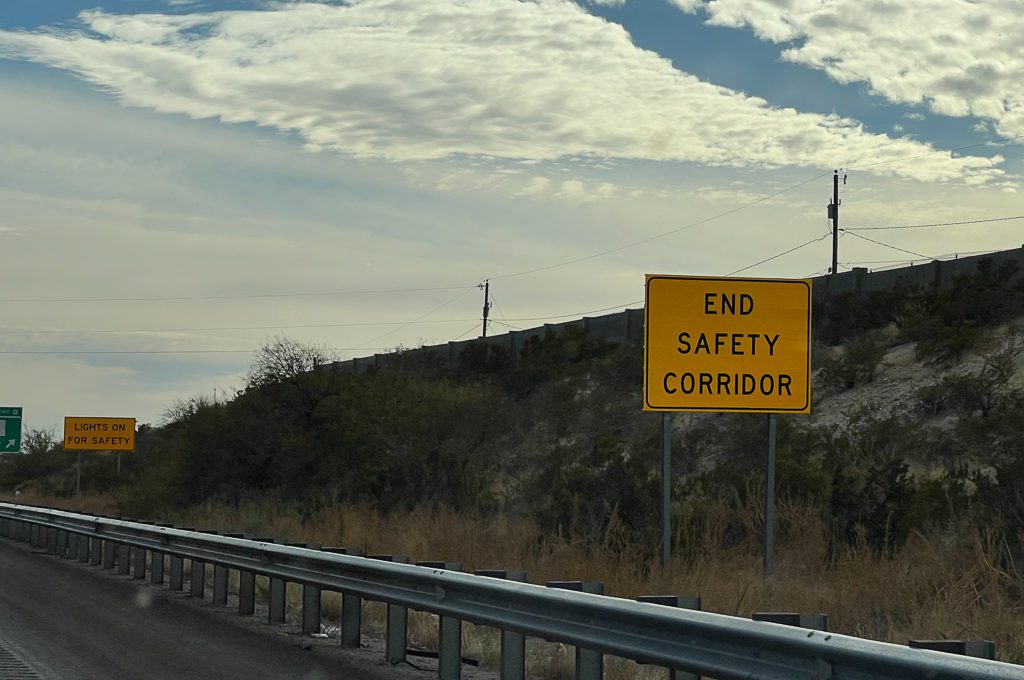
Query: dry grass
{"points": [[98, 504], [949, 588]]}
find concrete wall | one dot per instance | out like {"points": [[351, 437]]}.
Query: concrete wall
{"points": [[626, 327]]}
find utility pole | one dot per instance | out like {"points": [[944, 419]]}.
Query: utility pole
{"points": [[833, 213], [486, 285]]}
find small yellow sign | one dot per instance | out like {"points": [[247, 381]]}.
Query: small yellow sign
{"points": [[99, 434], [725, 344]]}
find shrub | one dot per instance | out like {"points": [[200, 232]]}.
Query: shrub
{"points": [[857, 363]]}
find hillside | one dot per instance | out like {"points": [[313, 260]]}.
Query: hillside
{"points": [[918, 421]]}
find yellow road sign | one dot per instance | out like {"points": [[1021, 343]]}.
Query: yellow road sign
{"points": [[724, 344], [99, 434]]}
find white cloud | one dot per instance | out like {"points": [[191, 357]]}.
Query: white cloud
{"points": [[429, 79], [957, 57], [687, 5], [572, 189], [536, 185]]}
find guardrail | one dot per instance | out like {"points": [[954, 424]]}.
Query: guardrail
{"points": [[724, 647]]}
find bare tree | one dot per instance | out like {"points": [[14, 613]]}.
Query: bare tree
{"points": [[182, 410], [282, 359], [39, 440]]}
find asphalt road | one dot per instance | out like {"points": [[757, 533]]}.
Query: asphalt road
{"points": [[68, 621]]}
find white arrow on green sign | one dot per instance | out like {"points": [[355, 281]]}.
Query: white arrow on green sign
{"points": [[10, 429]]}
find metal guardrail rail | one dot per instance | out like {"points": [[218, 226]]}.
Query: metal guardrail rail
{"points": [[714, 645]]}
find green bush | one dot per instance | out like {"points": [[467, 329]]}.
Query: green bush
{"points": [[857, 363], [583, 493]]}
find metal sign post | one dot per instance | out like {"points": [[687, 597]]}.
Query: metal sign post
{"points": [[769, 498], [666, 489]]}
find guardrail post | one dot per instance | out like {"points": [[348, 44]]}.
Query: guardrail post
{"points": [[197, 580], [351, 607], [277, 606], [139, 560], [246, 593], [52, 540], [589, 663], [177, 576], [220, 585], [177, 573], [809, 621], [310, 599], [83, 549], [247, 586], [683, 603], [71, 547], [109, 550], [124, 558], [95, 551], [513, 645], [156, 562], [277, 609], [397, 634], [62, 543], [449, 634], [220, 579], [156, 567], [982, 649], [310, 609]]}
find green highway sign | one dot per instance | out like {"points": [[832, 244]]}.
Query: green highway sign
{"points": [[10, 429]]}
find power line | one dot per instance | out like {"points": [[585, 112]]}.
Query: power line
{"points": [[661, 235], [422, 317], [785, 252], [226, 328], [562, 316], [462, 335], [506, 325], [180, 298], [171, 351], [909, 252], [421, 320], [743, 207], [936, 224]]}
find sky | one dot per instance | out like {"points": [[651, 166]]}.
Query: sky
{"points": [[181, 180]]}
